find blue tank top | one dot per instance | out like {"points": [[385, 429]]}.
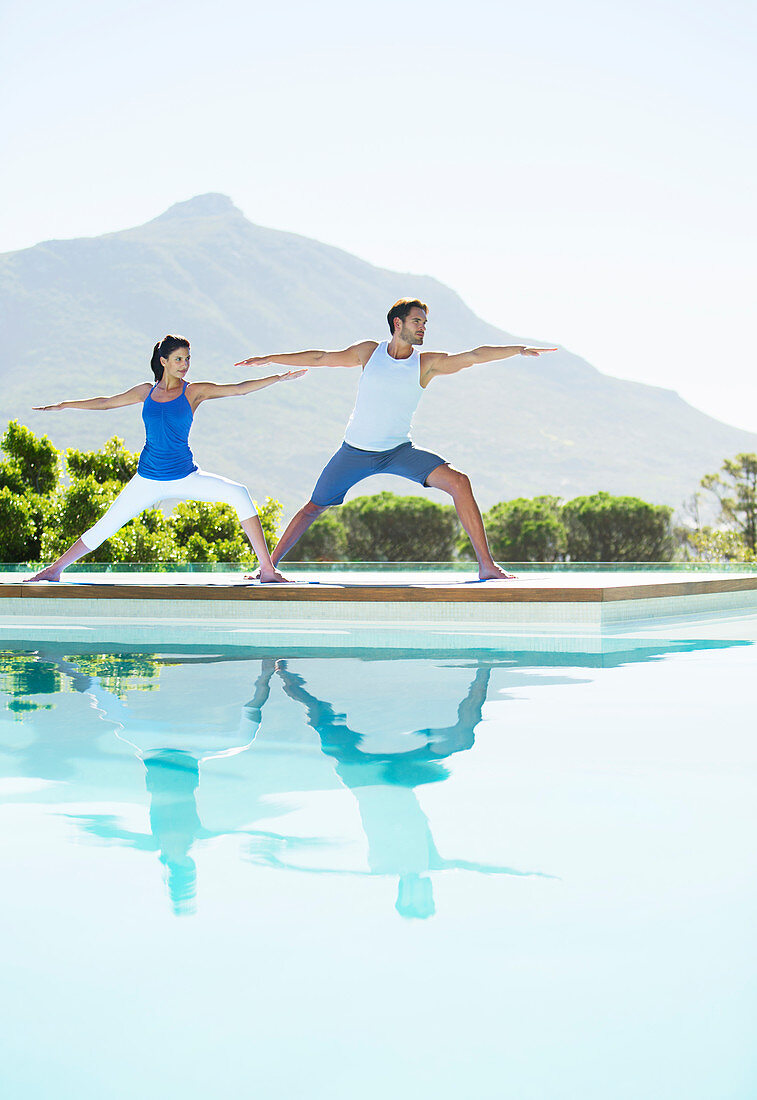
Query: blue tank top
{"points": [[166, 455]]}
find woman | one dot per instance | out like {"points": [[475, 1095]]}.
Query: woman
{"points": [[166, 469]]}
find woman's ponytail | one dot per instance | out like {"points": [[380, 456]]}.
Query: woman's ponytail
{"points": [[155, 363]]}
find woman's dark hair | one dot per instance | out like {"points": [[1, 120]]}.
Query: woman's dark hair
{"points": [[163, 349]]}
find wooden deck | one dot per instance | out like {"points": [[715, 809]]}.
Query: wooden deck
{"points": [[586, 613], [553, 588]]}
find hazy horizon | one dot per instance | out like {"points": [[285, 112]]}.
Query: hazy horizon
{"points": [[580, 175]]}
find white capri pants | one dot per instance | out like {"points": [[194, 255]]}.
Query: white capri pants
{"points": [[145, 492]]}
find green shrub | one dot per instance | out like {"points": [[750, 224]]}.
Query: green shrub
{"points": [[324, 540], [523, 530], [604, 528], [146, 538], [212, 532], [387, 527]]}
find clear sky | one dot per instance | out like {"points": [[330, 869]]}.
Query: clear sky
{"points": [[578, 171]]}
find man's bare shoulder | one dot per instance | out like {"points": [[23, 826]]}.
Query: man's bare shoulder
{"points": [[432, 364], [365, 349]]}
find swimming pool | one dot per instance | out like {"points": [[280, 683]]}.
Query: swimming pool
{"points": [[305, 871]]}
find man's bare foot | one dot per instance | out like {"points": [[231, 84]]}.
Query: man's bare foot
{"points": [[270, 576], [494, 573], [48, 574], [258, 576]]}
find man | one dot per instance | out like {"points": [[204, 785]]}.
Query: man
{"points": [[377, 438]]}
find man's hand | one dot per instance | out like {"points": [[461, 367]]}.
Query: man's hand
{"points": [[357, 355], [438, 362], [255, 361]]}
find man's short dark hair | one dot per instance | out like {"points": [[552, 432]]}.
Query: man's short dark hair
{"points": [[402, 308]]}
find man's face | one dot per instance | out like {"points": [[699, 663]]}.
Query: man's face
{"points": [[414, 326]]}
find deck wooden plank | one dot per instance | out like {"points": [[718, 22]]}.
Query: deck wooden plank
{"points": [[546, 591]]}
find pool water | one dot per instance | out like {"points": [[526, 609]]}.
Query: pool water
{"points": [[305, 873]]}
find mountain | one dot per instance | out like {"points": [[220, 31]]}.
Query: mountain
{"points": [[79, 318]]}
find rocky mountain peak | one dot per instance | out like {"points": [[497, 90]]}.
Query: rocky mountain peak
{"points": [[201, 206]]}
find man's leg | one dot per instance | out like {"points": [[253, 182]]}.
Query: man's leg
{"points": [[343, 470], [458, 486], [296, 529]]}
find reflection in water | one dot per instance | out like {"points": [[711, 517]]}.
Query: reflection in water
{"points": [[402, 719], [383, 782], [172, 779]]}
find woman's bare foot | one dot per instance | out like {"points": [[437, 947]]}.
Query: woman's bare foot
{"points": [[494, 573], [48, 574]]}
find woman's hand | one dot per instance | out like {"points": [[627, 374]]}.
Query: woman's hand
{"points": [[292, 374], [133, 396]]}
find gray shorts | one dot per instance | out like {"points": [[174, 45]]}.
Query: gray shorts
{"points": [[350, 465]]}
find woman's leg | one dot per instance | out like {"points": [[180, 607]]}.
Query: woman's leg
{"points": [[141, 493], [53, 572], [136, 495], [254, 531], [214, 489]]}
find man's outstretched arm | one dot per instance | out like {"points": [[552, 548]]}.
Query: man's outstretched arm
{"points": [[438, 362], [357, 355]]}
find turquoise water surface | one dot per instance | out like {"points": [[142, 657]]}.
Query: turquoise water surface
{"points": [[307, 873]]}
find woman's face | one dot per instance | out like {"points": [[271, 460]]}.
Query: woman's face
{"points": [[177, 363]]}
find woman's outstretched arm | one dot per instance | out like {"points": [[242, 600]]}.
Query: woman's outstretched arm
{"points": [[134, 396], [207, 391]]}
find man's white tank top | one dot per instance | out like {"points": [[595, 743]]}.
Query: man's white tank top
{"points": [[387, 398]]}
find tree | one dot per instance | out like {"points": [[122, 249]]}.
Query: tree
{"points": [[387, 527], [19, 527], [146, 538], [31, 464], [28, 476], [718, 546], [736, 489], [524, 530], [194, 532], [112, 463], [39, 519], [77, 508], [23, 676], [604, 528], [211, 532]]}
